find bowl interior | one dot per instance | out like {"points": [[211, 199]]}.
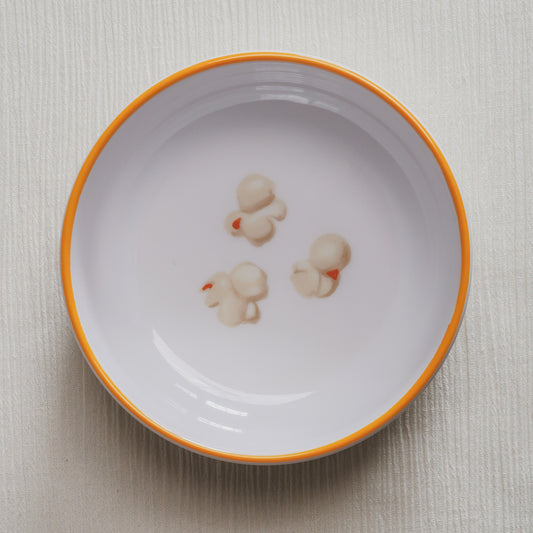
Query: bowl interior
{"points": [[149, 231]]}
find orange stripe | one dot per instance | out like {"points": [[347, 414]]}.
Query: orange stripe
{"points": [[421, 382]]}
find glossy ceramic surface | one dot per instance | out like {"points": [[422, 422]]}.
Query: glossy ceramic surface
{"points": [[144, 231]]}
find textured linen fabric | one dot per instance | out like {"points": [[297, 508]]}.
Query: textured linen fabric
{"points": [[459, 459]]}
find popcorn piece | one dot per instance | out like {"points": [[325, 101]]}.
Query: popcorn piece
{"points": [[258, 208], [320, 275], [236, 294]]}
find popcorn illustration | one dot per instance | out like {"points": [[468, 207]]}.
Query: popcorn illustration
{"points": [[320, 275], [259, 207], [236, 294]]}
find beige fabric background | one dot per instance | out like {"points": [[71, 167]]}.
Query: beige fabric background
{"points": [[460, 458]]}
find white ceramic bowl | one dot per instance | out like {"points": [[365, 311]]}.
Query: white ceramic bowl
{"points": [[144, 230]]}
